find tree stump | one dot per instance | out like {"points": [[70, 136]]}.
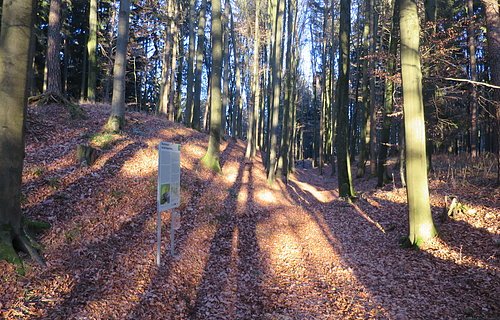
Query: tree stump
{"points": [[86, 155]]}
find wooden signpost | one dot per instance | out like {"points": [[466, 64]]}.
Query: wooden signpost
{"points": [[168, 192]]}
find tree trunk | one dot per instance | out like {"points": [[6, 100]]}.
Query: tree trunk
{"points": [[199, 67], [471, 39], [253, 112], [493, 37], [285, 146], [211, 157], [420, 218], [188, 120], [388, 99], [365, 120], [237, 94], [15, 36], [92, 53], [54, 85], [276, 85], [117, 118], [373, 109], [83, 84], [345, 186]]}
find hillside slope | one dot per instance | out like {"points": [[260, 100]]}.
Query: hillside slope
{"points": [[245, 250]]}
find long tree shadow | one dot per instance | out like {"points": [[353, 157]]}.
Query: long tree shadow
{"points": [[231, 281], [63, 201], [250, 267], [96, 265], [165, 293], [406, 283]]}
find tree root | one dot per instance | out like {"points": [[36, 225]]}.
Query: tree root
{"points": [[46, 98], [7, 251], [115, 124], [9, 242]]}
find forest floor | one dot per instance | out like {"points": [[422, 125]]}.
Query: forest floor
{"points": [[245, 250]]}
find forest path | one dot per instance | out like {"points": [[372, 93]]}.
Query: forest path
{"points": [[245, 250]]}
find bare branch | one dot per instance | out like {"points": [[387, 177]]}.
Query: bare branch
{"points": [[473, 82]]}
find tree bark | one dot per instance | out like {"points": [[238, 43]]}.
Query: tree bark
{"points": [[15, 37], [199, 67], [365, 115], [190, 74], [493, 37], [420, 218], [345, 186], [276, 85], [253, 112], [54, 85], [211, 157], [92, 53], [382, 176], [117, 117], [471, 41]]}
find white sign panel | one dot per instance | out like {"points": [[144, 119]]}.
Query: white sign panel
{"points": [[169, 174]]}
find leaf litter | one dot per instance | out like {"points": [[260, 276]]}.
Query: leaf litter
{"points": [[245, 249]]}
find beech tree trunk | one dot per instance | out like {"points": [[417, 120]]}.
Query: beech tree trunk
{"points": [[388, 99], [15, 37], [365, 115], [276, 85], [199, 67], [254, 108], [420, 218], [190, 73], [92, 53], [346, 188], [117, 118], [211, 157]]}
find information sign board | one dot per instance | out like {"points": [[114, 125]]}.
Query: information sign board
{"points": [[169, 173]]}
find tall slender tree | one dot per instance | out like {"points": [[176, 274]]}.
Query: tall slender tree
{"points": [[471, 41], [91, 52], [254, 107], [188, 120], [211, 157], [199, 67], [382, 175], [420, 217], [54, 85], [117, 118], [344, 178], [276, 86]]}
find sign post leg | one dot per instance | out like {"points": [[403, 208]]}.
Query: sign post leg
{"points": [[158, 238], [172, 231]]}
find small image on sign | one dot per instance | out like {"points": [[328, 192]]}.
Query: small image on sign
{"points": [[165, 193]]}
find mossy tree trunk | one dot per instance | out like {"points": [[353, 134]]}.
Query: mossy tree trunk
{"points": [[15, 37], [117, 118], [346, 188], [420, 219], [211, 157]]}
